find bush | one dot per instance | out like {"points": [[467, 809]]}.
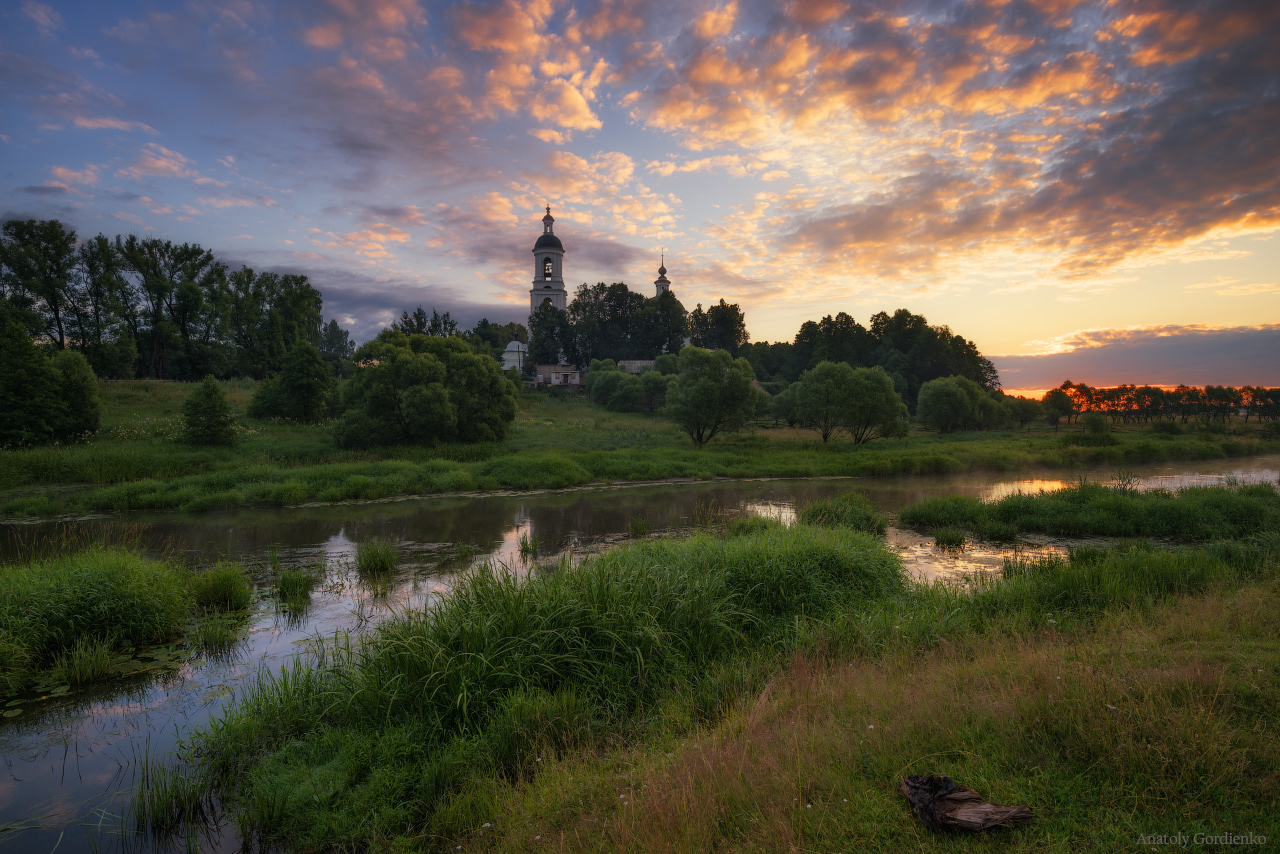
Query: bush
{"points": [[944, 406], [1171, 428], [300, 391], [424, 390], [206, 416], [1095, 422], [711, 394], [43, 399]]}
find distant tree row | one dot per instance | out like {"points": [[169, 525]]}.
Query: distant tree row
{"points": [[1141, 404], [146, 307], [911, 351], [607, 322]]}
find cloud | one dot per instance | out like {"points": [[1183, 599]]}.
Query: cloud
{"points": [[87, 175], [113, 124], [1162, 355], [44, 17], [156, 160]]}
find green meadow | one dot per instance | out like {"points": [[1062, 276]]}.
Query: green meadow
{"points": [[137, 462]]}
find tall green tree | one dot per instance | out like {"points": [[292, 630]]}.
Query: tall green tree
{"points": [[822, 394], [720, 327], [436, 325], [299, 392], [548, 329], [945, 406], [873, 409], [37, 258], [30, 401], [711, 394]]}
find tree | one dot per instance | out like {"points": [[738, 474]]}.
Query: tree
{"points": [[653, 389], [38, 257], [546, 334], [424, 389], [437, 325], [1057, 405], [873, 409], [786, 406], [944, 406], [335, 343], [29, 393], [206, 416], [711, 394], [721, 327], [78, 392], [1024, 410], [822, 395], [299, 392]]}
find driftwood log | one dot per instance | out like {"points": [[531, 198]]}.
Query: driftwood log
{"points": [[942, 804]]}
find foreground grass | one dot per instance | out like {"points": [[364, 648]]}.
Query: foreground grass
{"points": [[136, 462], [1150, 722], [66, 621], [1092, 509], [573, 711], [374, 739]]}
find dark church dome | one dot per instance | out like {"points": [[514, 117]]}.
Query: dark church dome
{"points": [[548, 241]]}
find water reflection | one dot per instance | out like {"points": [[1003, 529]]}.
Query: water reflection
{"points": [[70, 761]]}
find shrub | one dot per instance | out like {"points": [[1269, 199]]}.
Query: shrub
{"points": [[43, 399], [711, 394], [299, 393], [1095, 422], [1171, 428], [424, 390], [944, 406], [207, 417]]}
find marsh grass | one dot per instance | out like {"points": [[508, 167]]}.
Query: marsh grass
{"points": [[464, 552], [216, 635], [222, 587], [294, 585], [850, 510], [639, 526], [377, 557], [63, 608], [87, 660], [504, 671], [528, 545], [948, 538], [1110, 510]]}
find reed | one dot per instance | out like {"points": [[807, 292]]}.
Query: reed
{"points": [[850, 510], [222, 587]]}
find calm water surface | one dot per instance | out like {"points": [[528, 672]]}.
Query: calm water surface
{"points": [[70, 761]]}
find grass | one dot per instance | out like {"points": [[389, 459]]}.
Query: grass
{"points": [[850, 510], [295, 585], [948, 538], [135, 462], [639, 526], [767, 687], [58, 613], [87, 615], [377, 736], [1091, 509], [222, 587], [377, 557]]}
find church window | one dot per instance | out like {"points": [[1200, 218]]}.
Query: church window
{"points": [[546, 268]]}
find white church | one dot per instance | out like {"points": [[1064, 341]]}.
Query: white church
{"points": [[548, 286]]}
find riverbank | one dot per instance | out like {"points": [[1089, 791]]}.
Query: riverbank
{"points": [[136, 462], [786, 668]]}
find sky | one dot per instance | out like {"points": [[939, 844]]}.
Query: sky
{"points": [[1087, 189]]}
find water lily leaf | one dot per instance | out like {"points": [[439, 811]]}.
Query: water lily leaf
{"points": [[61, 689], [13, 703], [13, 713]]}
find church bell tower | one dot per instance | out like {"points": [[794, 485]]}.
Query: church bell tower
{"points": [[548, 268]]}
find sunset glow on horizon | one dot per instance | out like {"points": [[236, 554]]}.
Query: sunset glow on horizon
{"points": [[1087, 189]]}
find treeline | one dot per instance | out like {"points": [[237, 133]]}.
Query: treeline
{"points": [[1130, 404], [147, 307], [910, 351]]}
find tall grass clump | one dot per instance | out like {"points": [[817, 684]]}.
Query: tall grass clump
{"points": [[222, 587], [391, 729], [72, 606], [377, 557], [295, 585], [850, 510], [1115, 510]]}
